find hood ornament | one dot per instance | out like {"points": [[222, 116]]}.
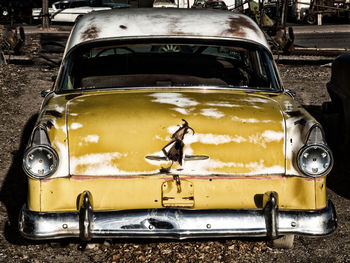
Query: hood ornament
{"points": [[175, 153]]}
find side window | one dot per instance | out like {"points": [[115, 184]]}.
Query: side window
{"points": [[260, 65]]}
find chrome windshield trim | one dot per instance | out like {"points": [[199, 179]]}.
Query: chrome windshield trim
{"points": [[203, 88]]}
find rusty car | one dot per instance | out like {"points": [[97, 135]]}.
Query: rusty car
{"points": [[174, 123]]}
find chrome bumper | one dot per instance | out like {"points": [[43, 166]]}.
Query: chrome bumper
{"points": [[177, 223]]}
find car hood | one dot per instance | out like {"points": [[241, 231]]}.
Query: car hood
{"points": [[123, 132]]}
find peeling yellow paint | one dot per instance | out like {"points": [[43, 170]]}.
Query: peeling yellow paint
{"points": [[34, 194], [131, 125], [320, 191], [251, 140], [143, 192]]}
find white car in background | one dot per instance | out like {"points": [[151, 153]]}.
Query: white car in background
{"points": [[164, 4], [68, 11]]}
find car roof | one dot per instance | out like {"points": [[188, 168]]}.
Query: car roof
{"points": [[164, 22]]}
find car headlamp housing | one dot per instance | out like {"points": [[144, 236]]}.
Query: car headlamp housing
{"points": [[40, 161], [315, 159]]}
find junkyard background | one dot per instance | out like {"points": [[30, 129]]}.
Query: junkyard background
{"points": [[21, 82]]}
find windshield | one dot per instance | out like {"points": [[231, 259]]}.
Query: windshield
{"points": [[169, 64]]}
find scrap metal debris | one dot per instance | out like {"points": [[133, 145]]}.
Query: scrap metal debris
{"points": [[11, 41]]}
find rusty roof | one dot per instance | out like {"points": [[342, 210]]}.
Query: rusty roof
{"points": [[158, 22]]}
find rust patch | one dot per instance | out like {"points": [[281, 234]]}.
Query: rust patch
{"points": [[296, 113], [90, 33], [178, 33], [237, 25], [54, 113], [72, 96], [123, 27], [159, 16], [173, 28], [49, 124], [302, 122]]}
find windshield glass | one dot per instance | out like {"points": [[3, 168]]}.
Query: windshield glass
{"points": [[169, 64]]}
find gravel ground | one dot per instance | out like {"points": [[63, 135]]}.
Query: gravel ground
{"points": [[19, 102]]}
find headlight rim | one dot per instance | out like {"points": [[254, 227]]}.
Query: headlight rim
{"points": [[31, 149], [325, 148]]}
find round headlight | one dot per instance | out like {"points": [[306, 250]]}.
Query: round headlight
{"points": [[40, 161], [315, 160]]}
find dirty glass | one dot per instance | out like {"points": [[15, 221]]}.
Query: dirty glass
{"points": [[170, 64]]}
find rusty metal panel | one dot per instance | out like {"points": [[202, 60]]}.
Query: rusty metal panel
{"points": [[177, 193], [195, 23]]}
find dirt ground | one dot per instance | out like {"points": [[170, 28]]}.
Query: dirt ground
{"points": [[20, 87]]}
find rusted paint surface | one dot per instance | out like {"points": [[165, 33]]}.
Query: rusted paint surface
{"points": [[295, 113], [131, 23], [90, 33], [54, 113], [301, 122], [298, 123], [239, 26], [53, 116], [49, 124]]}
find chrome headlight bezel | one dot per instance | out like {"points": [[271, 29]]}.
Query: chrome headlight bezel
{"points": [[42, 158], [315, 160]]}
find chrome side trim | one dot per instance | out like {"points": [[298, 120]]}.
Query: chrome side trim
{"points": [[178, 223]]}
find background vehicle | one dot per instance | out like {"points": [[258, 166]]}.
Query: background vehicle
{"points": [[68, 11], [164, 4], [112, 3], [307, 10], [329, 8]]}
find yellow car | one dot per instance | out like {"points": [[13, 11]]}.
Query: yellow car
{"points": [[173, 123]]}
